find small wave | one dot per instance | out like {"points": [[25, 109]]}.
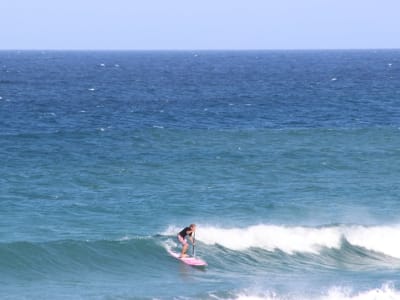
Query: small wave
{"points": [[380, 239]]}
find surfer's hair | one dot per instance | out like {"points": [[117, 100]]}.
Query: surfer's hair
{"points": [[192, 225]]}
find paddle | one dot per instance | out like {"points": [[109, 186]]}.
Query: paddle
{"points": [[193, 253]]}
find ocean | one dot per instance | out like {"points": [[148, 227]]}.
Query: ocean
{"points": [[287, 161]]}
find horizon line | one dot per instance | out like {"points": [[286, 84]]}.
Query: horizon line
{"points": [[199, 50]]}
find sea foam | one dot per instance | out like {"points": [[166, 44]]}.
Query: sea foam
{"points": [[382, 239], [386, 292]]}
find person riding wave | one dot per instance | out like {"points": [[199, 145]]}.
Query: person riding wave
{"points": [[187, 231]]}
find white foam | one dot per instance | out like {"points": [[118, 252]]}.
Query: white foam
{"points": [[382, 239], [267, 296], [271, 237], [386, 292], [130, 238]]}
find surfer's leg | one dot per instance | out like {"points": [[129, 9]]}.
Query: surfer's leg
{"points": [[184, 249], [185, 245]]}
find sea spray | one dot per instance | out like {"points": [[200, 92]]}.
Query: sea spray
{"points": [[292, 239]]}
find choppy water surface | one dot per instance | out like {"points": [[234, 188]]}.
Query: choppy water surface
{"points": [[288, 161]]}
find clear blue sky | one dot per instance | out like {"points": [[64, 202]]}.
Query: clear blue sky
{"points": [[202, 24]]}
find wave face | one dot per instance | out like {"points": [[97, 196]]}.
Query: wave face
{"points": [[267, 247], [73, 256]]}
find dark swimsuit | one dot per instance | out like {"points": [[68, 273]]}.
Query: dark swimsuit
{"points": [[183, 233]]}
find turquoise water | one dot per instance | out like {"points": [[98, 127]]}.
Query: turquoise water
{"points": [[287, 161]]}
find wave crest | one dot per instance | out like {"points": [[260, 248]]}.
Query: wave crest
{"points": [[381, 239]]}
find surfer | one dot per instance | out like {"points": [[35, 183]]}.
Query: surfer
{"points": [[187, 231]]}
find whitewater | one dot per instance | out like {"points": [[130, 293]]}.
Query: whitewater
{"points": [[379, 239]]}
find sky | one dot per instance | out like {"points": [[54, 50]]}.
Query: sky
{"points": [[199, 24]]}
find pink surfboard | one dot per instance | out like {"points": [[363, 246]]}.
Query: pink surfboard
{"points": [[191, 261]]}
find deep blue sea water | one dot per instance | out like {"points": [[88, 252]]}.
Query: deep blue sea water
{"points": [[288, 162]]}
